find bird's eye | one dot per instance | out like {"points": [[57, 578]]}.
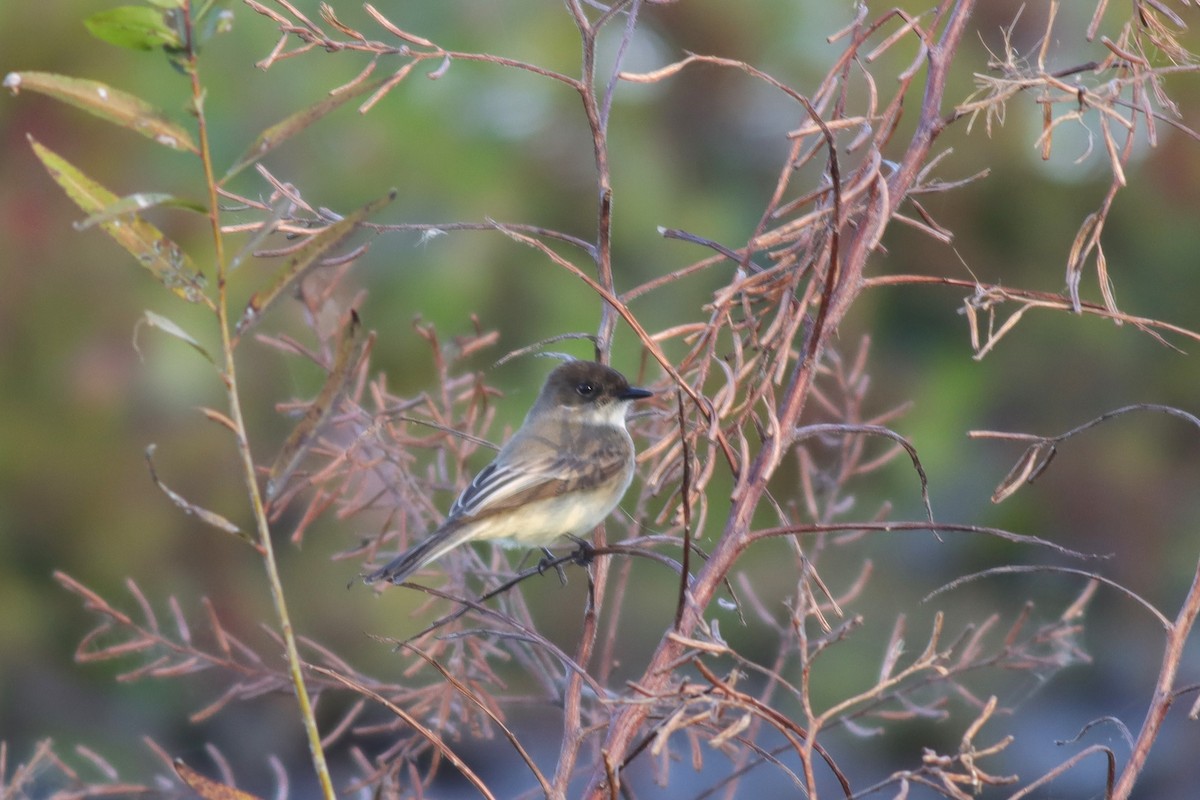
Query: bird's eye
{"points": [[585, 389]]}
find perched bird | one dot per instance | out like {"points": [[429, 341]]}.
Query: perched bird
{"points": [[561, 473]]}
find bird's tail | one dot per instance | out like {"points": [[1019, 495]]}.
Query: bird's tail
{"points": [[434, 546]]}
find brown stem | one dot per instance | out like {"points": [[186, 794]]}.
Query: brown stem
{"points": [[573, 730], [842, 286], [1164, 689], [596, 111]]}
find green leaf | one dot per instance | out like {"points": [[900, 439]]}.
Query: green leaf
{"points": [[213, 19], [135, 27], [168, 327], [280, 132], [304, 259], [108, 103], [131, 204], [154, 251]]}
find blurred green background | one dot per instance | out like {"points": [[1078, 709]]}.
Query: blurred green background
{"points": [[699, 152]]}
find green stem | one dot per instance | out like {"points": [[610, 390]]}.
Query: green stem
{"points": [[229, 376]]}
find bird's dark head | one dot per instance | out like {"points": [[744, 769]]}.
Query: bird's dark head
{"points": [[585, 385]]}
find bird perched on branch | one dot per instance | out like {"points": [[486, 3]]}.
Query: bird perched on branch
{"points": [[561, 473]]}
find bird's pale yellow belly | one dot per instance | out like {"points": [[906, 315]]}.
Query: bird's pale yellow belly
{"points": [[541, 522]]}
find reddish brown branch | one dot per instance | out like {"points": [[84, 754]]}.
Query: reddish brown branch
{"points": [[843, 284]]}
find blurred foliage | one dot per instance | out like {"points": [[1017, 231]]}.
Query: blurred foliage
{"points": [[79, 406]]}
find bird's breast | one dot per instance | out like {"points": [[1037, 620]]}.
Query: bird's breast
{"points": [[541, 522]]}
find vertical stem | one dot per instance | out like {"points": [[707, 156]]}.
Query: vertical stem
{"points": [[597, 111], [1164, 690], [574, 735], [597, 116], [229, 376]]}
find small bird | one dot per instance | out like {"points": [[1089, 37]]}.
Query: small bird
{"points": [[561, 473]]}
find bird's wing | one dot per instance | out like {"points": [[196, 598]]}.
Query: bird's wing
{"points": [[503, 486]]}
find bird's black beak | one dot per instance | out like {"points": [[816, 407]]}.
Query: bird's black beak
{"points": [[634, 393]]}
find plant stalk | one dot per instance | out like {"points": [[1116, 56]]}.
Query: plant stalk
{"points": [[229, 376]]}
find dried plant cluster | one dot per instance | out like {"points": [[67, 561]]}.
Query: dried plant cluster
{"points": [[756, 387]]}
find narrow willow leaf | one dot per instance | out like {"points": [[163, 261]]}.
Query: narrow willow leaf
{"points": [[111, 104], [211, 517], [208, 788], [135, 27], [304, 259], [171, 329], [302, 436], [165, 260], [131, 204], [280, 132]]}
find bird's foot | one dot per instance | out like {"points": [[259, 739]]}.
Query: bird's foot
{"points": [[548, 560], [584, 551]]}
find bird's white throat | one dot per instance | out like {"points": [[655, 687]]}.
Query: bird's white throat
{"points": [[608, 415]]}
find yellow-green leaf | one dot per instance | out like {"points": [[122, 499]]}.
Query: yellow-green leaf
{"points": [[154, 251], [135, 27], [280, 132], [170, 328], [304, 259], [302, 436], [114, 105]]}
